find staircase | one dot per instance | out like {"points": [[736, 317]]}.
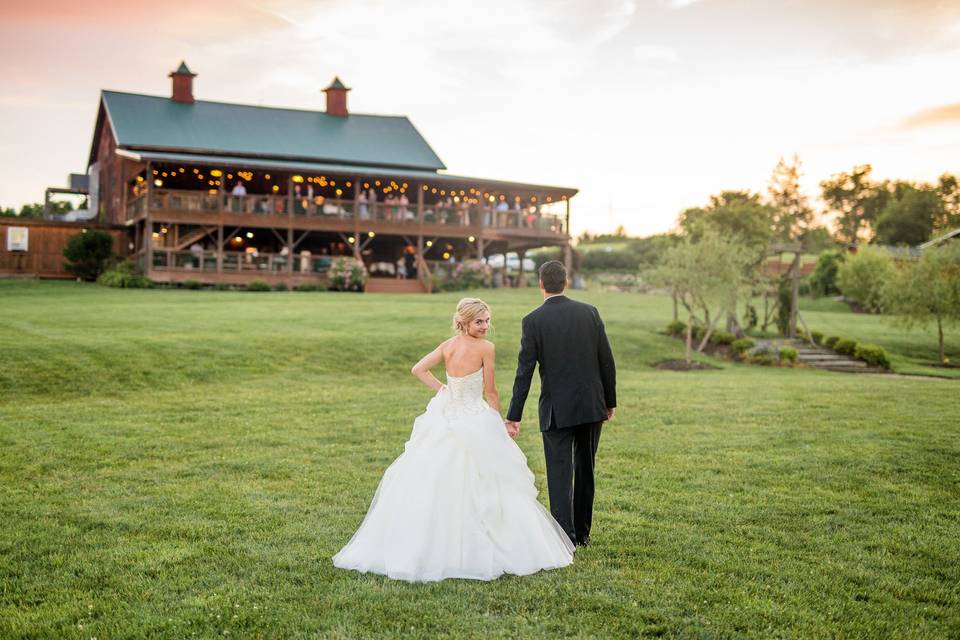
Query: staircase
{"points": [[821, 358], [392, 285]]}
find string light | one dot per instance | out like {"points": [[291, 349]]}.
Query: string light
{"points": [[371, 234], [471, 239], [351, 240], [366, 185], [155, 172], [276, 188], [158, 182], [216, 173], [195, 170], [249, 234], [429, 243], [299, 179], [267, 176]]}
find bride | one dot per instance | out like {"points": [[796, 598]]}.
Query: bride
{"points": [[460, 501]]}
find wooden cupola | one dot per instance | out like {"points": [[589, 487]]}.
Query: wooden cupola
{"points": [[337, 98], [182, 84]]}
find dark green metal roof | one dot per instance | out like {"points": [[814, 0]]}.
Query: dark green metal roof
{"points": [[336, 84], [152, 122]]}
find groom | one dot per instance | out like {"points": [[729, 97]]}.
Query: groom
{"points": [[577, 393]]}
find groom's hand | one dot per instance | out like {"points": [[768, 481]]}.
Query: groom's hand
{"points": [[610, 411], [513, 428]]}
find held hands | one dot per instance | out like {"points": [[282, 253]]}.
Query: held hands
{"points": [[513, 428]]}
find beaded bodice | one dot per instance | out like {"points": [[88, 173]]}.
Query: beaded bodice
{"points": [[465, 393]]}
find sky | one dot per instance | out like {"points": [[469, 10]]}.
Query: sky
{"points": [[646, 106]]}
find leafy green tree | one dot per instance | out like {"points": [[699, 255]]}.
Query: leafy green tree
{"points": [[87, 253], [909, 216], [708, 275], [817, 239], [928, 291], [823, 280], [7, 212], [855, 199], [864, 277], [948, 188], [792, 212], [732, 213]]}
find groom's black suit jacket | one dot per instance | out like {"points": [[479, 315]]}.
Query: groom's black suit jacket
{"points": [[577, 373]]}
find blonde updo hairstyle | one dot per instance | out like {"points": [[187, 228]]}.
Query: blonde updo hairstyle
{"points": [[467, 311]]}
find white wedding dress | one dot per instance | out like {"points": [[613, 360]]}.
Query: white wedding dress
{"points": [[459, 502]]}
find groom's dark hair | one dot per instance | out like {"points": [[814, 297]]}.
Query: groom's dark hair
{"points": [[553, 275]]}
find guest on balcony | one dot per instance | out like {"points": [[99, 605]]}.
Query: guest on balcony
{"points": [[362, 209]]}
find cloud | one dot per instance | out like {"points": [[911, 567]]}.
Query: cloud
{"points": [[948, 114], [678, 4], [654, 53]]}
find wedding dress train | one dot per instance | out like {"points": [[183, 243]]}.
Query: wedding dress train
{"points": [[459, 502]]}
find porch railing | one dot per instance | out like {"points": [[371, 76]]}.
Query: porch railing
{"points": [[239, 262], [463, 216]]}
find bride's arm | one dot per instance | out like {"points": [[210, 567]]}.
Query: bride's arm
{"points": [[489, 384], [422, 368]]}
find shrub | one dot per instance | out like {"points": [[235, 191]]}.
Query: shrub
{"points": [[788, 354], [88, 253], [830, 341], [823, 280], [258, 285], [722, 337], [614, 260], [125, 276], [743, 344], [281, 286], [222, 286], [864, 278], [764, 355], [845, 346], [817, 337], [191, 284], [697, 332], [347, 274], [750, 318], [307, 286], [872, 354], [470, 274], [676, 328]]}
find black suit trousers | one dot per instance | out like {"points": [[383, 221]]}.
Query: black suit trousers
{"points": [[570, 454]]}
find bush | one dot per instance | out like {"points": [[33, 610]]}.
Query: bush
{"points": [[614, 260], [307, 286], [764, 355], [743, 344], [470, 274], [258, 285], [817, 337], [88, 253], [845, 346], [830, 341], [789, 355], [722, 337], [872, 354], [281, 286], [864, 278], [125, 276], [347, 274], [823, 280], [750, 318], [222, 286], [191, 284], [676, 328]]}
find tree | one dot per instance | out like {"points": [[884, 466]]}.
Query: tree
{"points": [[928, 291], [707, 275], [948, 188], [731, 213], [792, 212], [865, 276], [909, 216], [855, 199], [87, 253], [823, 280]]}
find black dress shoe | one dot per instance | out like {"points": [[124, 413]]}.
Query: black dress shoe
{"points": [[583, 543]]}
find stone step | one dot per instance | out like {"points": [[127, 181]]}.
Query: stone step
{"points": [[841, 362], [821, 356]]}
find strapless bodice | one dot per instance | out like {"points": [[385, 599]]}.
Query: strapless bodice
{"points": [[465, 393]]}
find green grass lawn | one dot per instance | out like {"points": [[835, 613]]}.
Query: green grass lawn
{"points": [[185, 463]]}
